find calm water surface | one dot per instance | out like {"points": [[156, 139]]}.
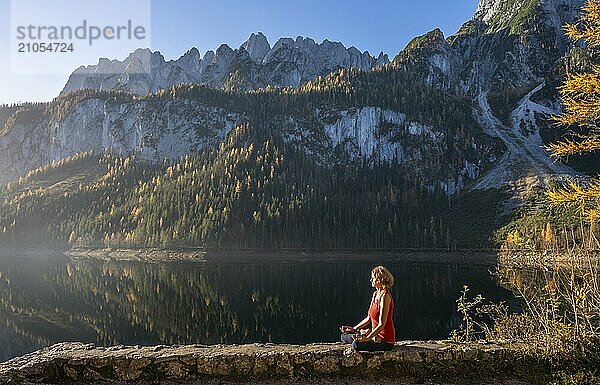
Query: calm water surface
{"points": [[51, 298]]}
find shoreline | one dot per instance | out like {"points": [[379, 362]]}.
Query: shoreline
{"points": [[153, 255], [549, 259]]}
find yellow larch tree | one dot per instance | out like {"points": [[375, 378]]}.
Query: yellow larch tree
{"points": [[580, 95]]}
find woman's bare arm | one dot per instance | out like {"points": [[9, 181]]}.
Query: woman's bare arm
{"points": [[363, 323], [360, 325]]}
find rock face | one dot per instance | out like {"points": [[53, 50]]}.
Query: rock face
{"points": [[257, 47], [253, 65], [153, 131], [81, 363], [509, 50], [169, 129], [525, 155], [507, 43], [378, 135]]}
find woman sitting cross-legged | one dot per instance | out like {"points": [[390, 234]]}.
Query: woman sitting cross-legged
{"points": [[382, 335]]}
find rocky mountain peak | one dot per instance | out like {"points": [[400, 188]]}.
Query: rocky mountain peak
{"points": [[209, 56], [224, 50], [487, 9], [302, 41], [283, 42], [424, 45], [513, 14], [140, 53], [146, 57], [191, 55], [105, 66], [434, 39], [190, 61], [382, 59], [257, 46]]}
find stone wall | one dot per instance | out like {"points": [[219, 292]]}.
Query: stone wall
{"points": [[85, 363]]}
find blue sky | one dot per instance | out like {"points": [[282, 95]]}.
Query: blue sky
{"points": [[176, 26]]}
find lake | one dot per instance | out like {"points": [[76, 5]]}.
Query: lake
{"points": [[48, 298]]}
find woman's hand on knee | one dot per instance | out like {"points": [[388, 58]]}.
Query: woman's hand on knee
{"points": [[347, 329]]}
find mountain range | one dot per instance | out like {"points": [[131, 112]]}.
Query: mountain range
{"points": [[255, 64], [447, 115]]}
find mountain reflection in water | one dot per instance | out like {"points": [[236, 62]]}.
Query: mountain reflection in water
{"points": [[52, 299]]}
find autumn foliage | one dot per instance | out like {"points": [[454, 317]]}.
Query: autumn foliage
{"points": [[580, 94]]}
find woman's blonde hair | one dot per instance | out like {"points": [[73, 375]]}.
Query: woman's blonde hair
{"points": [[384, 276]]}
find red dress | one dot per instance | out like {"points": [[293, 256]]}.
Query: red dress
{"points": [[388, 334]]}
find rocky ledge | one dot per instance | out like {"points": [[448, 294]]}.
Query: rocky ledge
{"points": [[194, 364]]}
